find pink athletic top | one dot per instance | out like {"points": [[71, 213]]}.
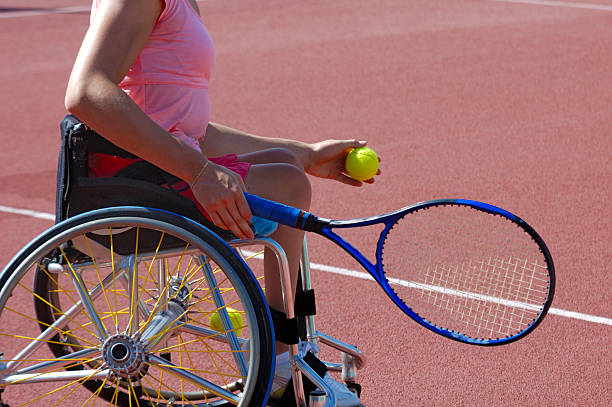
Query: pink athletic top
{"points": [[169, 79]]}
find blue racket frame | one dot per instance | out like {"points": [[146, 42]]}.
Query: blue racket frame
{"points": [[299, 219]]}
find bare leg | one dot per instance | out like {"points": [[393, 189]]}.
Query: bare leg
{"points": [[276, 174]]}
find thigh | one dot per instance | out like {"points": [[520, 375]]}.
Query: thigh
{"points": [[281, 182], [277, 174]]}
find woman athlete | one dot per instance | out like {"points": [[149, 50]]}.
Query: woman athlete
{"points": [[141, 81]]}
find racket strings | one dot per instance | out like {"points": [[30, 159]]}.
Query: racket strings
{"points": [[475, 313], [466, 271]]}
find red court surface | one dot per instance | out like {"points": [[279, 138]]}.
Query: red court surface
{"points": [[506, 102]]}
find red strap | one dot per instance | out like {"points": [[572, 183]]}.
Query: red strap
{"points": [[106, 165]]}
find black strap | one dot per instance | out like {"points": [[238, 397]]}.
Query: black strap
{"points": [[285, 330], [305, 303], [289, 331]]}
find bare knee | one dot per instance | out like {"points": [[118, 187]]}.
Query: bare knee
{"points": [[296, 185], [292, 185], [282, 182]]}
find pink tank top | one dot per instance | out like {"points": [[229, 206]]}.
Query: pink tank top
{"points": [[169, 79]]}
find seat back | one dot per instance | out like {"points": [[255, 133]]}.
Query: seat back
{"points": [[79, 191]]}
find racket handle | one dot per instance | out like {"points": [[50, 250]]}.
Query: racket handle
{"points": [[276, 212]]}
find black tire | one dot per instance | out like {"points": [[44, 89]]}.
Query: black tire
{"points": [[73, 247]]}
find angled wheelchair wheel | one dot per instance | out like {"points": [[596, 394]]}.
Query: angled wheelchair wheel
{"points": [[132, 307]]}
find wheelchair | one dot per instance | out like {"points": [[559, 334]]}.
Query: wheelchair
{"points": [[135, 299]]}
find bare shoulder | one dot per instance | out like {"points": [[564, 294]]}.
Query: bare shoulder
{"points": [[130, 8], [119, 31]]}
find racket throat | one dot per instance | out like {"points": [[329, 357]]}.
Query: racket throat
{"points": [[353, 252]]}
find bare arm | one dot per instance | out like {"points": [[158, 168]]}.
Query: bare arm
{"points": [[221, 140], [116, 37], [118, 34], [324, 159]]}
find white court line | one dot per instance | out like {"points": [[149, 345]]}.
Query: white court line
{"points": [[80, 9], [45, 11], [27, 212], [366, 276], [357, 274], [551, 3]]}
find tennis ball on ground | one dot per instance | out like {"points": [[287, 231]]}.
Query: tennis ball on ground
{"points": [[361, 163], [235, 318]]}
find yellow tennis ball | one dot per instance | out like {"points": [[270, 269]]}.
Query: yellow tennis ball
{"points": [[235, 317], [361, 163]]}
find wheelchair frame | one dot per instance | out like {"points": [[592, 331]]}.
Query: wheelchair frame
{"points": [[352, 358]]}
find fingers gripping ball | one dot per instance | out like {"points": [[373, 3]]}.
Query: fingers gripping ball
{"points": [[361, 163], [235, 317]]}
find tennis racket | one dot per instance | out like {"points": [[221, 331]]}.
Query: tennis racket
{"points": [[466, 270]]}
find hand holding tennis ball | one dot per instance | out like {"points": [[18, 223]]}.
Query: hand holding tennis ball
{"points": [[235, 317], [361, 163]]}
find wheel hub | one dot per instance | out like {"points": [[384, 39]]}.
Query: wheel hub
{"points": [[180, 291], [124, 356]]}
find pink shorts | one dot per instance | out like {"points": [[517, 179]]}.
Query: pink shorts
{"points": [[231, 162]]}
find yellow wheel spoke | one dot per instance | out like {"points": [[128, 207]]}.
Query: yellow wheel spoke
{"points": [[181, 366], [73, 296], [212, 354], [57, 284], [164, 384], [68, 332], [143, 286], [210, 372], [172, 326], [84, 360], [160, 381], [161, 378], [162, 291], [66, 395], [115, 397], [133, 297], [180, 259], [60, 312], [212, 350], [168, 348], [155, 308], [100, 278], [94, 395], [186, 351], [198, 310], [55, 370], [45, 341], [134, 393], [84, 291], [112, 251]]}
